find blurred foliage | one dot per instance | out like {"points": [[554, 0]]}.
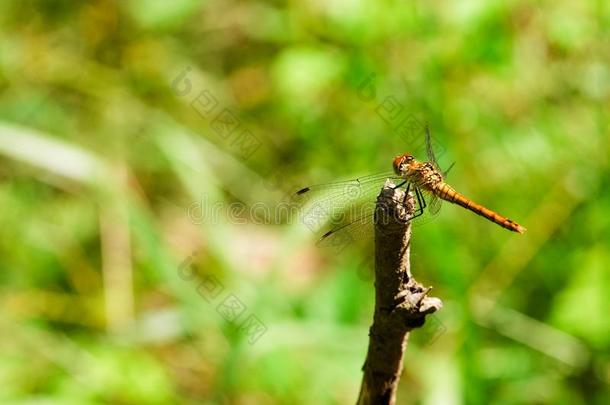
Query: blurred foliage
{"points": [[115, 261]]}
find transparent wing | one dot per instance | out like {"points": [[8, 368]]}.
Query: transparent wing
{"points": [[446, 172], [324, 207], [351, 186], [434, 206], [343, 231], [342, 235], [344, 201], [431, 207], [434, 149], [430, 149]]}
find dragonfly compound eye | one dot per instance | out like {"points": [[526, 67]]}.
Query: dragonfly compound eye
{"points": [[398, 162]]}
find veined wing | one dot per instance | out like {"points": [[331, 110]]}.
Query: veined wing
{"points": [[332, 205], [434, 206], [340, 186], [333, 198], [429, 149], [355, 228], [432, 156]]}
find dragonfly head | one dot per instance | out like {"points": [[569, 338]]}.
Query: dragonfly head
{"points": [[401, 163]]}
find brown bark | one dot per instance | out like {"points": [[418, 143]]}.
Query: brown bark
{"points": [[401, 303]]}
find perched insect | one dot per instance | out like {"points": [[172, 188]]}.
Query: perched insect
{"points": [[354, 199]]}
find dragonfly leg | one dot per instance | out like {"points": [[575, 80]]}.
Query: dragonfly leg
{"points": [[404, 199], [421, 204], [401, 184], [421, 196]]}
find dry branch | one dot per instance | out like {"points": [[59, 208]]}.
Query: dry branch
{"points": [[401, 303]]}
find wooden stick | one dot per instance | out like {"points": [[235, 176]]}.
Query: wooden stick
{"points": [[401, 303]]}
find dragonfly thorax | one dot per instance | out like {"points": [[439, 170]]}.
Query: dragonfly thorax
{"points": [[423, 174], [427, 176]]}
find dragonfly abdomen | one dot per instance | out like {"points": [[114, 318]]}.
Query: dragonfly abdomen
{"points": [[447, 193]]}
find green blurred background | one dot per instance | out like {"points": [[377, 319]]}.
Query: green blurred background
{"points": [[114, 276]]}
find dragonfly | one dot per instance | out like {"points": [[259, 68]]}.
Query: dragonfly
{"points": [[350, 205]]}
